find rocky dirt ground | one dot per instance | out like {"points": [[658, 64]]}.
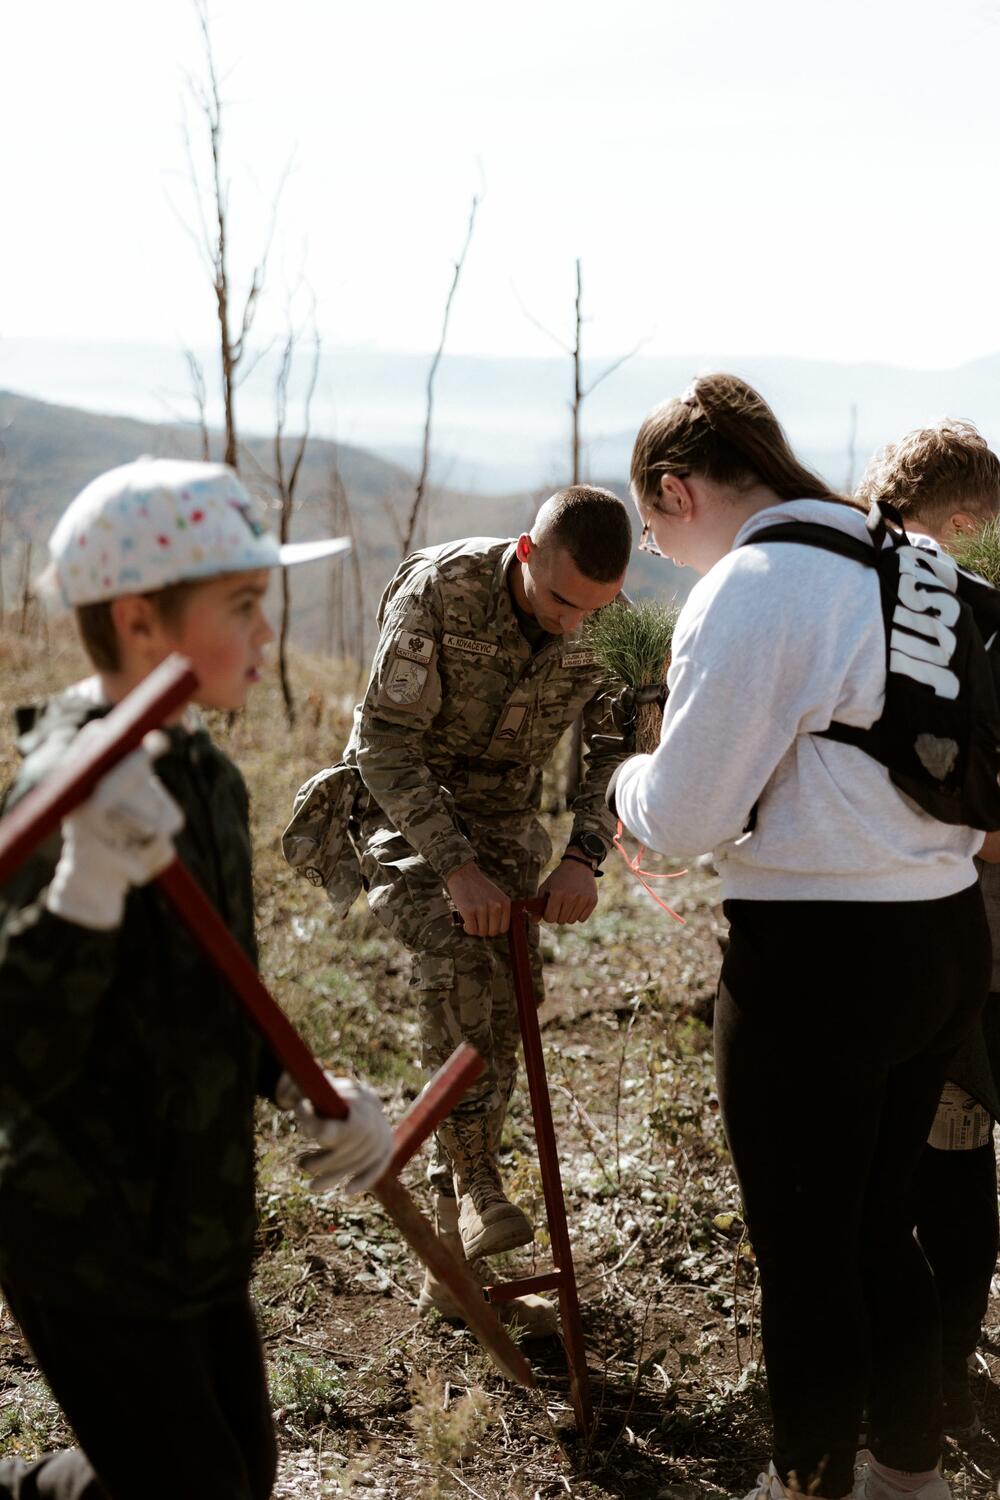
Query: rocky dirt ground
{"points": [[369, 1399]]}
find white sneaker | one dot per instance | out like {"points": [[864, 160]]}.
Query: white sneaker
{"points": [[871, 1486]]}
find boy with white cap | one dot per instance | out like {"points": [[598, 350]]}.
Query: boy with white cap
{"points": [[128, 1073]]}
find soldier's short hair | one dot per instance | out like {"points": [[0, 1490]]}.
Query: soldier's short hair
{"points": [[594, 527]]}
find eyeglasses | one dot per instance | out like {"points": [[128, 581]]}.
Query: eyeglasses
{"points": [[647, 542]]}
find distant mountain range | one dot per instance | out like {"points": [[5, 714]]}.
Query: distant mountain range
{"points": [[501, 426], [48, 452]]}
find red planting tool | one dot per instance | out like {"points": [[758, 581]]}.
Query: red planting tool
{"points": [[40, 813]]}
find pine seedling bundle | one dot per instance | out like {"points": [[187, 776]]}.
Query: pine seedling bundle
{"points": [[980, 553], [632, 644]]}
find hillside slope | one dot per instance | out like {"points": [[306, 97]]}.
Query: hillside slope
{"points": [[49, 452]]}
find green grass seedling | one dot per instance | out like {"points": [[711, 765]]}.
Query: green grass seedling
{"points": [[980, 553], [632, 643]]}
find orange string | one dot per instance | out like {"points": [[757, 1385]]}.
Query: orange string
{"points": [[645, 876]]}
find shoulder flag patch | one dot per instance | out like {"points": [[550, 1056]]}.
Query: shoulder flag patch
{"points": [[414, 647]]}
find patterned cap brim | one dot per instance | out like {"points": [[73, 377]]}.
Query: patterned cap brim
{"points": [[301, 552]]}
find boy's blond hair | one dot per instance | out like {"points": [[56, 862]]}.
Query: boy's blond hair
{"points": [[933, 472]]}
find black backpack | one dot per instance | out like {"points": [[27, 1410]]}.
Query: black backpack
{"points": [[939, 734]]}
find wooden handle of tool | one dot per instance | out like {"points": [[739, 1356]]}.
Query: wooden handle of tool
{"points": [[42, 810]]}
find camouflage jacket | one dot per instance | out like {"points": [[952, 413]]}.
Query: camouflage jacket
{"points": [[460, 716], [127, 1071]]}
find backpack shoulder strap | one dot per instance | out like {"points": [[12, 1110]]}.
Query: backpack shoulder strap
{"points": [[829, 539], [812, 534]]}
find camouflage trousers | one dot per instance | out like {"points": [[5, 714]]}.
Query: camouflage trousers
{"points": [[463, 986]]}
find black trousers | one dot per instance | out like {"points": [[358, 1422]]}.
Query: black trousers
{"points": [[834, 1029], [959, 1232], [162, 1409]]}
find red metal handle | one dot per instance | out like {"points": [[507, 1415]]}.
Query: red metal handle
{"points": [[434, 1102], [207, 928], [534, 906], [42, 810]]}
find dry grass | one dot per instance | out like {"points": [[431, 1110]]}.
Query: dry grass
{"points": [[365, 1392]]}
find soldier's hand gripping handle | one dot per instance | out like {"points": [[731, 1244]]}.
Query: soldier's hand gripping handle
{"points": [[482, 906]]}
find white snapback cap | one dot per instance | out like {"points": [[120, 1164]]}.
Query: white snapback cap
{"points": [[160, 521]]}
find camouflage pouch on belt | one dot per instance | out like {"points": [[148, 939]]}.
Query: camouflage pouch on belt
{"points": [[317, 841]]}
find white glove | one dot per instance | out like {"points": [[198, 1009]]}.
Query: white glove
{"points": [[356, 1151], [121, 837]]}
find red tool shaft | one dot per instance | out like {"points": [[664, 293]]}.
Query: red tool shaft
{"points": [[448, 1085], [204, 923], [434, 1103], [41, 811], [548, 1158], [40, 814]]}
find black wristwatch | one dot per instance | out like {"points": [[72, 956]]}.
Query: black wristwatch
{"points": [[591, 845]]}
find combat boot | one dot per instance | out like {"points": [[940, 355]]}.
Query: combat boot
{"points": [[535, 1316], [487, 1220]]}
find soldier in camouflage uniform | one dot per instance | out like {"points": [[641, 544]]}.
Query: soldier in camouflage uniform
{"points": [[478, 673], [128, 1072]]}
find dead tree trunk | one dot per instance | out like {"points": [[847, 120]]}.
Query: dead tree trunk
{"points": [[578, 392], [425, 458], [852, 442], [200, 400], [345, 610], [212, 240], [574, 771], [286, 478], [26, 594]]}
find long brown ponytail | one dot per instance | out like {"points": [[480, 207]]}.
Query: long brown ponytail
{"points": [[721, 428]]}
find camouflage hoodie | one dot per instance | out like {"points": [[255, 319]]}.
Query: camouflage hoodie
{"points": [[127, 1071]]}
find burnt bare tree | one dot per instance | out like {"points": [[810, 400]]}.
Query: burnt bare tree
{"points": [[287, 470], [852, 446], [25, 589], [6, 485], [580, 390], [200, 392], [420, 491], [212, 240], [345, 620], [574, 773]]}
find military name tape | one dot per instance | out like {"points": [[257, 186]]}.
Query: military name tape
{"points": [[579, 659], [466, 643]]}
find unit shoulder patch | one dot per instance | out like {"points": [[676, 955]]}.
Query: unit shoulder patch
{"points": [[469, 644], [405, 683]]}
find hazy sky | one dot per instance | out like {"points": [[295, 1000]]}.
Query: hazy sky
{"points": [[815, 177]]}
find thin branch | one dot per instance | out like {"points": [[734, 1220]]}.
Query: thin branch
{"points": [[566, 348], [286, 479], [197, 373], [418, 498], [616, 365]]}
